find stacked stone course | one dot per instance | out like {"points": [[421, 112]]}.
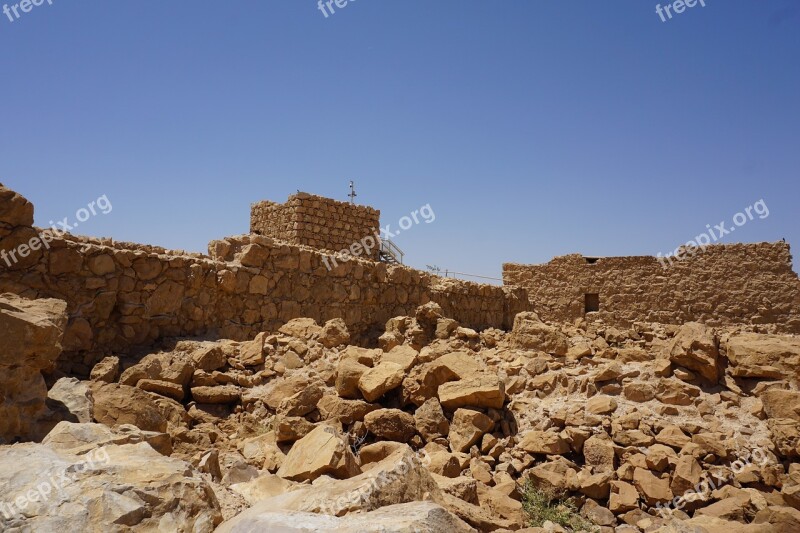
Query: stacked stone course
{"points": [[321, 223]]}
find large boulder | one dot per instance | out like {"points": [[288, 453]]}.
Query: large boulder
{"points": [[779, 403], [81, 438], [321, 452], [112, 488], [116, 404], [695, 346], [653, 489], [294, 396], [467, 428], [301, 328], [398, 478], [786, 436], [483, 519], [106, 370], [544, 443], [332, 407], [377, 381], [72, 399], [530, 333], [482, 391], [752, 355], [782, 519], [391, 424], [334, 333], [430, 420], [32, 331], [420, 517], [348, 374], [176, 368]]}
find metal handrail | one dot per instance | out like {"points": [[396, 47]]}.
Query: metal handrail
{"points": [[391, 249], [448, 272]]}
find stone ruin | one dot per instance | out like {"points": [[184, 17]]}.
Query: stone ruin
{"points": [[317, 222], [724, 284], [123, 295], [254, 389]]}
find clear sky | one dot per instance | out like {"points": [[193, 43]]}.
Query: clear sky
{"points": [[532, 128]]}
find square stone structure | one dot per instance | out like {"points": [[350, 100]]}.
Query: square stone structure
{"points": [[721, 285], [317, 222]]}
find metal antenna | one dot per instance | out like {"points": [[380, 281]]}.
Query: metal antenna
{"points": [[352, 194]]}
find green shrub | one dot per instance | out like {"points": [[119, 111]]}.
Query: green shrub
{"points": [[542, 505]]}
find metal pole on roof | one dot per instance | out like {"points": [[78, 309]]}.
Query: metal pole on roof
{"points": [[352, 194]]}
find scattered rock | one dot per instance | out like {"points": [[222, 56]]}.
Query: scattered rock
{"points": [[334, 333], [120, 404], [32, 331], [106, 370], [323, 451], [430, 421], [377, 381], [467, 428], [754, 355], [544, 443], [696, 347], [484, 391], [390, 424], [530, 333]]}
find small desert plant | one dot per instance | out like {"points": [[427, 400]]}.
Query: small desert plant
{"points": [[542, 505], [356, 442], [262, 429]]}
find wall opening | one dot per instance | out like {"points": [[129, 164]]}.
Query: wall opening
{"points": [[591, 260], [592, 303]]}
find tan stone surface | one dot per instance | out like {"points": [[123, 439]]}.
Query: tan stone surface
{"points": [[30, 342], [763, 356], [467, 428], [483, 391], [323, 451], [377, 381], [120, 404], [531, 333], [158, 490], [696, 347], [391, 424]]}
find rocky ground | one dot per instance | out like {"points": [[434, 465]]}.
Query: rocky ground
{"points": [[439, 429]]}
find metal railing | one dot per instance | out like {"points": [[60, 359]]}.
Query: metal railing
{"points": [[390, 252], [447, 273]]}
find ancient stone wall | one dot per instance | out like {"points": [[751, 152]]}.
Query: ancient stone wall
{"points": [[318, 222], [274, 220], [122, 295], [724, 284]]}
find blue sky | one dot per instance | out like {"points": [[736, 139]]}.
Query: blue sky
{"points": [[532, 128]]}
